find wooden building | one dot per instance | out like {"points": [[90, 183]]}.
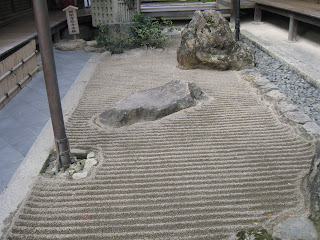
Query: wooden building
{"points": [[11, 8], [307, 11]]}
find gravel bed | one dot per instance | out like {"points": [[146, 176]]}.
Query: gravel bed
{"points": [[300, 92]]}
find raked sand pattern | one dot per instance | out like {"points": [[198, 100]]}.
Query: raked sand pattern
{"points": [[201, 173]]}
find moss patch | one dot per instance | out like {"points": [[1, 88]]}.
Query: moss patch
{"points": [[255, 234]]}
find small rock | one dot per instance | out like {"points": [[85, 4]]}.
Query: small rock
{"points": [[297, 117], [73, 165], [82, 162], [89, 164], [314, 184], [285, 106], [92, 43], [79, 153], [93, 49], [78, 175], [51, 172], [90, 155], [295, 228], [248, 75], [268, 87], [78, 167], [312, 128], [260, 81], [274, 96]]}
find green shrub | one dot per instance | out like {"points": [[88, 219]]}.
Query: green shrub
{"points": [[144, 32], [147, 32]]}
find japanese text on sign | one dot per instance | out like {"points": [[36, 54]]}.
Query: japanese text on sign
{"points": [[72, 20]]}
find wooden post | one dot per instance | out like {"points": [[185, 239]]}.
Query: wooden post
{"points": [[257, 14], [293, 29], [233, 11], [56, 36], [50, 76], [139, 6], [72, 19]]}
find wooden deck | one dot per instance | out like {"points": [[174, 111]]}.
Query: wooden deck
{"points": [[244, 4], [20, 31], [185, 10], [302, 7], [295, 10], [180, 10]]}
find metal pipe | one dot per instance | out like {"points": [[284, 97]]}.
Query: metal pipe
{"points": [[49, 69], [3, 98], [17, 66], [237, 27]]}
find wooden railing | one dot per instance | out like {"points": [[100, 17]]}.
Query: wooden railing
{"points": [[16, 71]]}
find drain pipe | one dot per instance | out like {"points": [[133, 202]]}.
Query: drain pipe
{"points": [[50, 75], [237, 23]]}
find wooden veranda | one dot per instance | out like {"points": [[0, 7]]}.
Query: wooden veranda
{"points": [[296, 10], [181, 10]]}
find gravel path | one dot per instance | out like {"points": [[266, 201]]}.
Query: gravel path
{"points": [[300, 92], [202, 173]]}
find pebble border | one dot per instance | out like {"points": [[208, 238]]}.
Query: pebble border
{"points": [[295, 84], [289, 112]]}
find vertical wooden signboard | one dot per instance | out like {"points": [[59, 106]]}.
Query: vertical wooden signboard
{"points": [[72, 19]]}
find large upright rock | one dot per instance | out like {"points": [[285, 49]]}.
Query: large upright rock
{"points": [[151, 104], [207, 42]]}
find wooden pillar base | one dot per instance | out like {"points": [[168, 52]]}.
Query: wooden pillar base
{"points": [[257, 14], [293, 29], [56, 36]]}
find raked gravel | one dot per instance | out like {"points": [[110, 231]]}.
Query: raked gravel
{"points": [[202, 173]]}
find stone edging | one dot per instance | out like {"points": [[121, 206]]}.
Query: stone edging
{"points": [[288, 111]]}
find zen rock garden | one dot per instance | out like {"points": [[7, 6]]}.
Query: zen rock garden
{"points": [[207, 42]]}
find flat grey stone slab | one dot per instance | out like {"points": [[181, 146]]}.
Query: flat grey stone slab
{"points": [[312, 128], [274, 96], [260, 81], [285, 106], [296, 228], [151, 104], [297, 117], [268, 87]]}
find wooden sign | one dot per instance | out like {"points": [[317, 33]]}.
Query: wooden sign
{"points": [[72, 19]]}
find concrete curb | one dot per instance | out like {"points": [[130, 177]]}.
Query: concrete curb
{"points": [[29, 169], [301, 69]]}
